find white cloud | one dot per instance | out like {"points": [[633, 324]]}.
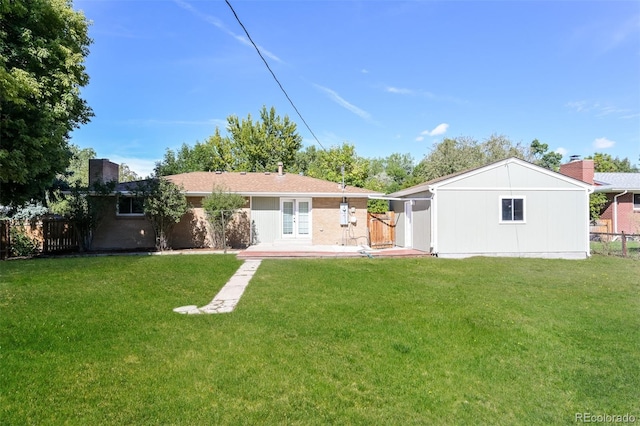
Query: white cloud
{"points": [[599, 109], [603, 143], [142, 167], [343, 103], [440, 129], [400, 91], [562, 151]]}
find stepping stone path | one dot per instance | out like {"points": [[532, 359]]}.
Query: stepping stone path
{"points": [[229, 295]]}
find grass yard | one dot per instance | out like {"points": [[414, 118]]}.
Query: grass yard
{"points": [[348, 341]]}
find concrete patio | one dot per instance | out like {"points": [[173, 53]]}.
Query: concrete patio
{"points": [[296, 250]]}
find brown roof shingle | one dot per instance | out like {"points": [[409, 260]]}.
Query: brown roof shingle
{"points": [[263, 183]]}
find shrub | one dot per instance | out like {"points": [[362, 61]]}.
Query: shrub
{"points": [[21, 243]]}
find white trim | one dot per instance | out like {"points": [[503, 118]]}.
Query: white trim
{"points": [[633, 196], [384, 197], [437, 185], [296, 202], [524, 209], [507, 188], [434, 223], [507, 162]]}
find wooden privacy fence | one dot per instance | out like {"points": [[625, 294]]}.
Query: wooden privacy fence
{"points": [[5, 241], [601, 226], [59, 235], [382, 229]]}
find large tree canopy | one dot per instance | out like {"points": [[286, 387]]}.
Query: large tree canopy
{"points": [[605, 163], [458, 154], [43, 44], [250, 147]]}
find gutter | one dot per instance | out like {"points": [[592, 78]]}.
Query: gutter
{"points": [[384, 197]]}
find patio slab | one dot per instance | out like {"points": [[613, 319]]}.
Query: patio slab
{"points": [[291, 251]]}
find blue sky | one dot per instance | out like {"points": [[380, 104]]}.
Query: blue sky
{"points": [[386, 76]]}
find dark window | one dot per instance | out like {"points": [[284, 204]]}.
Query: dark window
{"points": [[130, 205], [636, 201], [512, 209]]}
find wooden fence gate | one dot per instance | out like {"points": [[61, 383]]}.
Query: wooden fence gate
{"points": [[382, 229], [59, 235]]}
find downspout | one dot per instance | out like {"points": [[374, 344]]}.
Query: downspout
{"points": [[615, 211]]}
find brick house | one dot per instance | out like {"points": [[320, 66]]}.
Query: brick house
{"points": [[280, 207], [622, 190]]}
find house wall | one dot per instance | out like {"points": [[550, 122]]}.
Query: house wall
{"points": [[122, 233], [398, 208], [422, 225], [628, 219], [265, 219], [193, 230], [468, 224], [326, 222]]}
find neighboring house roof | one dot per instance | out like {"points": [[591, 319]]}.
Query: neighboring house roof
{"points": [[259, 184], [614, 182], [435, 183]]}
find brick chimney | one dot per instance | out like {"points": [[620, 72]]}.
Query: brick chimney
{"points": [[578, 169], [102, 170], [280, 167]]}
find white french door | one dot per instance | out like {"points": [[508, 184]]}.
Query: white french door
{"points": [[296, 218]]}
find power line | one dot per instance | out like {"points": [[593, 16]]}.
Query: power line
{"points": [[273, 74]]}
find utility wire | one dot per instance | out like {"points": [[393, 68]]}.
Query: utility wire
{"points": [[273, 74]]}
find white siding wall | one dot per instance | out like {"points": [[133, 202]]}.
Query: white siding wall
{"points": [[469, 223], [398, 208], [265, 216], [422, 225]]}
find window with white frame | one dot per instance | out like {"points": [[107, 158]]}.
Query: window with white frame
{"points": [[512, 209], [130, 206], [636, 201]]}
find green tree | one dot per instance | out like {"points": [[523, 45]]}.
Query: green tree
{"points": [[220, 207], [597, 201], [78, 170], [250, 147], [606, 163], [125, 174], [338, 161], [391, 173], [43, 45], [453, 155], [164, 206], [85, 210], [543, 158], [260, 146]]}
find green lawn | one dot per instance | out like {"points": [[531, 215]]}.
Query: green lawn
{"points": [[350, 341]]}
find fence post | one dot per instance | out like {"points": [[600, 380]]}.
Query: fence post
{"points": [[224, 237], [624, 245]]}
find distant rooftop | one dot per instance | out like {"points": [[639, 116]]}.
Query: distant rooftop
{"points": [[617, 181]]}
